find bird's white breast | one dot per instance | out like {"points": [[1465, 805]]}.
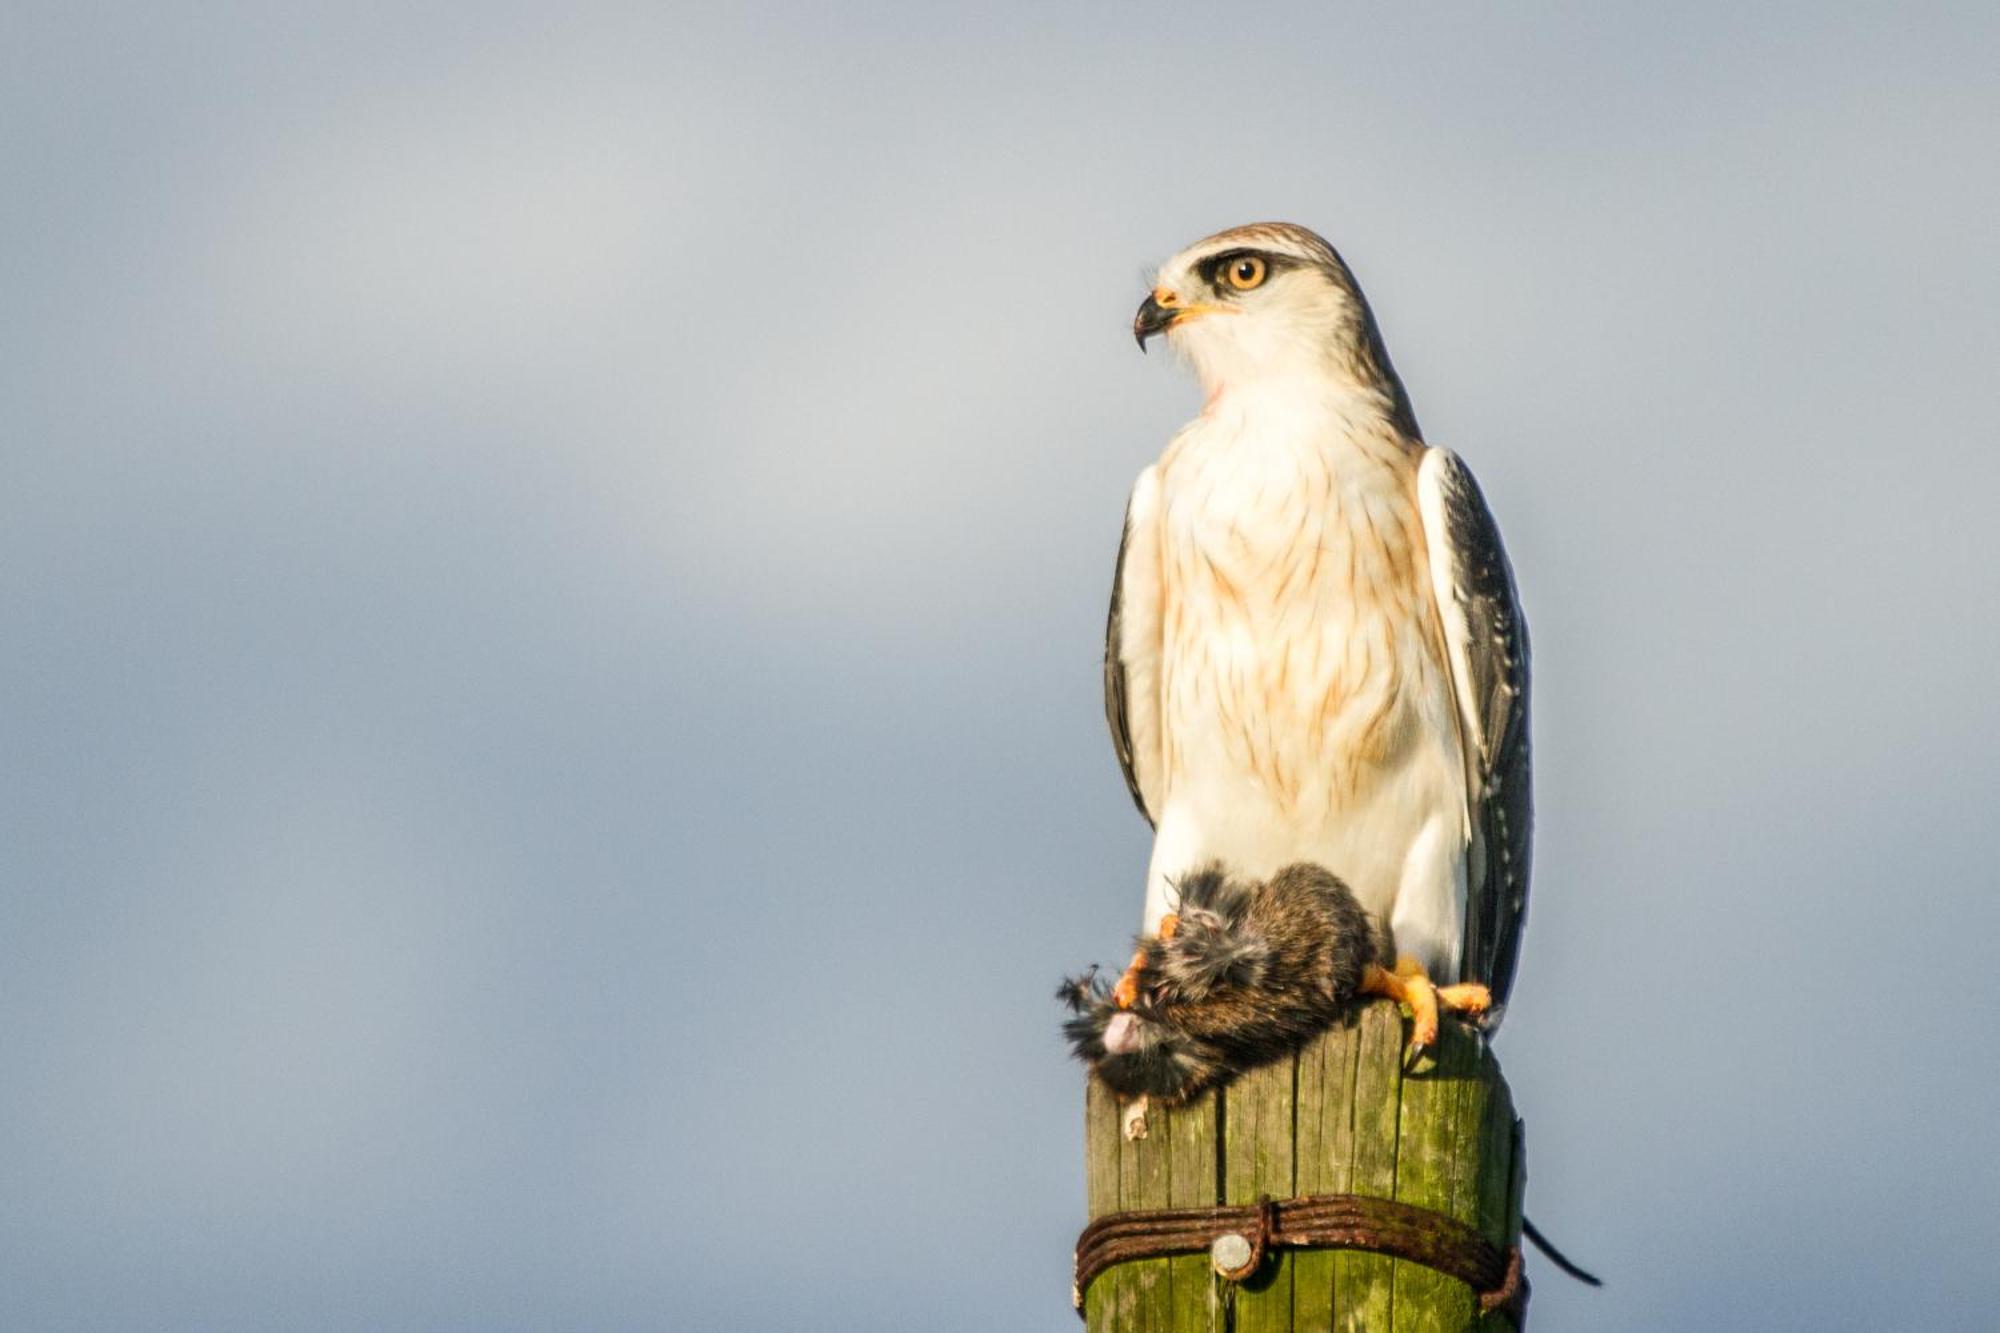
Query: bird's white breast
{"points": [[1305, 710]]}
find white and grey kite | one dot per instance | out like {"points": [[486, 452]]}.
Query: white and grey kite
{"points": [[1315, 650]]}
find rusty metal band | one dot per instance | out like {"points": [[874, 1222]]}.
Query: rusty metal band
{"points": [[1316, 1222]]}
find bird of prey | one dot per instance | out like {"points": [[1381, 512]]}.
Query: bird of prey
{"points": [[1315, 651]]}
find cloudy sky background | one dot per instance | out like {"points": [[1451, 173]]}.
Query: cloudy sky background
{"points": [[552, 570]]}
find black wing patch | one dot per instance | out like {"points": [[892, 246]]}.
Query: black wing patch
{"points": [[1114, 676], [1482, 583]]}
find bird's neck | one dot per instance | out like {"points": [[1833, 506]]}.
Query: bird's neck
{"points": [[1319, 412]]}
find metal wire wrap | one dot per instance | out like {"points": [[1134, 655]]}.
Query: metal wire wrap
{"points": [[1316, 1222]]}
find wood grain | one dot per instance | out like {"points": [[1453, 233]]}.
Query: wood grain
{"points": [[1342, 1116]]}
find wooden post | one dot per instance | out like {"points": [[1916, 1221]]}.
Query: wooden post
{"points": [[1341, 1117]]}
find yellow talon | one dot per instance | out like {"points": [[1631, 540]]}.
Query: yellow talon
{"points": [[1408, 985], [1126, 993], [1467, 997]]}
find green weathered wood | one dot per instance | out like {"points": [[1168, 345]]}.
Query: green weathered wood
{"points": [[1517, 1185], [1364, 1284], [1258, 1139], [1100, 1153], [1324, 1159], [1437, 1130], [1496, 1202], [1343, 1117], [1195, 1182], [1174, 1166], [1145, 1301]]}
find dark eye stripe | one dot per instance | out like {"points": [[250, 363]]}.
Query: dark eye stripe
{"points": [[1215, 269]]}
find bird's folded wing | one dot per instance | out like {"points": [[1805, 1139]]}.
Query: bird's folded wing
{"points": [[1132, 649], [1486, 643]]}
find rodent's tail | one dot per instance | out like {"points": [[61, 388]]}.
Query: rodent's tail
{"points": [[1556, 1256]]}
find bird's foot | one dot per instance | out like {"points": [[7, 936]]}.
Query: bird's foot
{"points": [[1408, 985], [1467, 997], [1132, 1118], [1126, 993]]}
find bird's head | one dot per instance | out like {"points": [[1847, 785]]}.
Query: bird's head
{"points": [[1264, 302]]}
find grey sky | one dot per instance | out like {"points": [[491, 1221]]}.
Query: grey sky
{"points": [[553, 570]]}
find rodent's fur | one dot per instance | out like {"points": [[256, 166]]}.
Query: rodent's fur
{"points": [[1251, 973]]}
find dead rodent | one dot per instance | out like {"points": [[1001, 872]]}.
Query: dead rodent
{"points": [[1251, 972]]}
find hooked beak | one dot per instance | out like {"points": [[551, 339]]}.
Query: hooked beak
{"points": [[1157, 314]]}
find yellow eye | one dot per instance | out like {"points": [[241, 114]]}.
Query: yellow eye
{"points": [[1246, 272]]}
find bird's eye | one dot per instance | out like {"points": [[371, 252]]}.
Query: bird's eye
{"points": [[1246, 272]]}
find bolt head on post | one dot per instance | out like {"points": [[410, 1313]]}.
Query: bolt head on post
{"points": [[1230, 1254]]}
